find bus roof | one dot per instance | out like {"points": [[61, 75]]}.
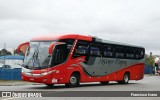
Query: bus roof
{"points": [[58, 37], [80, 37], [96, 39], [120, 43]]}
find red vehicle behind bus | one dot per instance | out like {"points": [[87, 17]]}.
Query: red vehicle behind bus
{"points": [[73, 59]]}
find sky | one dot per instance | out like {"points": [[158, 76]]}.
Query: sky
{"points": [[134, 22]]}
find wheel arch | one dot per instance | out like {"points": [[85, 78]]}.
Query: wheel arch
{"points": [[127, 72], [77, 73], [74, 72]]}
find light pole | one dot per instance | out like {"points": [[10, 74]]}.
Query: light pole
{"points": [[4, 52]]}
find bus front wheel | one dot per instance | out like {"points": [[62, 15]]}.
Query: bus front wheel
{"points": [[73, 81], [125, 79]]}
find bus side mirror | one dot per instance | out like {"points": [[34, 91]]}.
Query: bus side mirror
{"points": [[22, 46], [50, 48]]}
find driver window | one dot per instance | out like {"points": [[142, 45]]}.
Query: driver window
{"points": [[59, 55]]}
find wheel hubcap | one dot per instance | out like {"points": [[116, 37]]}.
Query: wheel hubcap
{"points": [[73, 80], [126, 78]]}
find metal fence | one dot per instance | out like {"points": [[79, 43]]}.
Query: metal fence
{"points": [[148, 69], [10, 74]]}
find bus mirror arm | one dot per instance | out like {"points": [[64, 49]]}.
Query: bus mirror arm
{"points": [[19, 47], [50, 49]]}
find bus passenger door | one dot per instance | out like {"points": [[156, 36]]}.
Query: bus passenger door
{"points": [[59, 56]]}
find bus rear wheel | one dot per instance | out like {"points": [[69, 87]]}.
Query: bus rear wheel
{"points": [[104, 83], [73, 81], [125, 79]]}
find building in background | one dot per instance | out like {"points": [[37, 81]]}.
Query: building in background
{"points": [[11, 60]]}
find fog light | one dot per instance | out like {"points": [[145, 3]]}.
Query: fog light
{"points": [[54, 80]]}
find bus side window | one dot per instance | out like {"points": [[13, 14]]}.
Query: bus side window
{"points": [[81, 49], [130, 53], [108, 52], [119, 52], [95, 50], [139, 53]]}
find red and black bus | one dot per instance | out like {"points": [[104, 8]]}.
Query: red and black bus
{"points": [[73, 59]]}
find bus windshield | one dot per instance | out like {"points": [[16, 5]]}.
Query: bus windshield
{"points": [[37, 56]]}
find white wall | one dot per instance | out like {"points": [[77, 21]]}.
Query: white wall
{"points": [[11, 61]]}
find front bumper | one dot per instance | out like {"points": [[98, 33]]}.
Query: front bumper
{"points": [[46, 79]]}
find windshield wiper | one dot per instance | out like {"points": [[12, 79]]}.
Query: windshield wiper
{"points": [[35, 54], [35, 57], [29, 60]]}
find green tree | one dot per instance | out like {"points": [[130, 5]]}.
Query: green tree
{"points": [[150, 60], [16, 52], [4, 52]]}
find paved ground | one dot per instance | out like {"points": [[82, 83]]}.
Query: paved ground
{"points": [[149, 83], [16, 83]]}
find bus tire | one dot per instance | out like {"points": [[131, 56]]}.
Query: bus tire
{"points": [[125, 80], [104, 83], [73, 81]]}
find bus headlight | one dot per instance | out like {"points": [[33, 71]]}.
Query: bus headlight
{"points": [[45, 73]]}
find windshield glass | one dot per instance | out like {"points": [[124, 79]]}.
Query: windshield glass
{"points": [[37, 56]]}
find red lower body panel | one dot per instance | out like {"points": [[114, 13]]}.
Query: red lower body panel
{"points": [[136, 73]]}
